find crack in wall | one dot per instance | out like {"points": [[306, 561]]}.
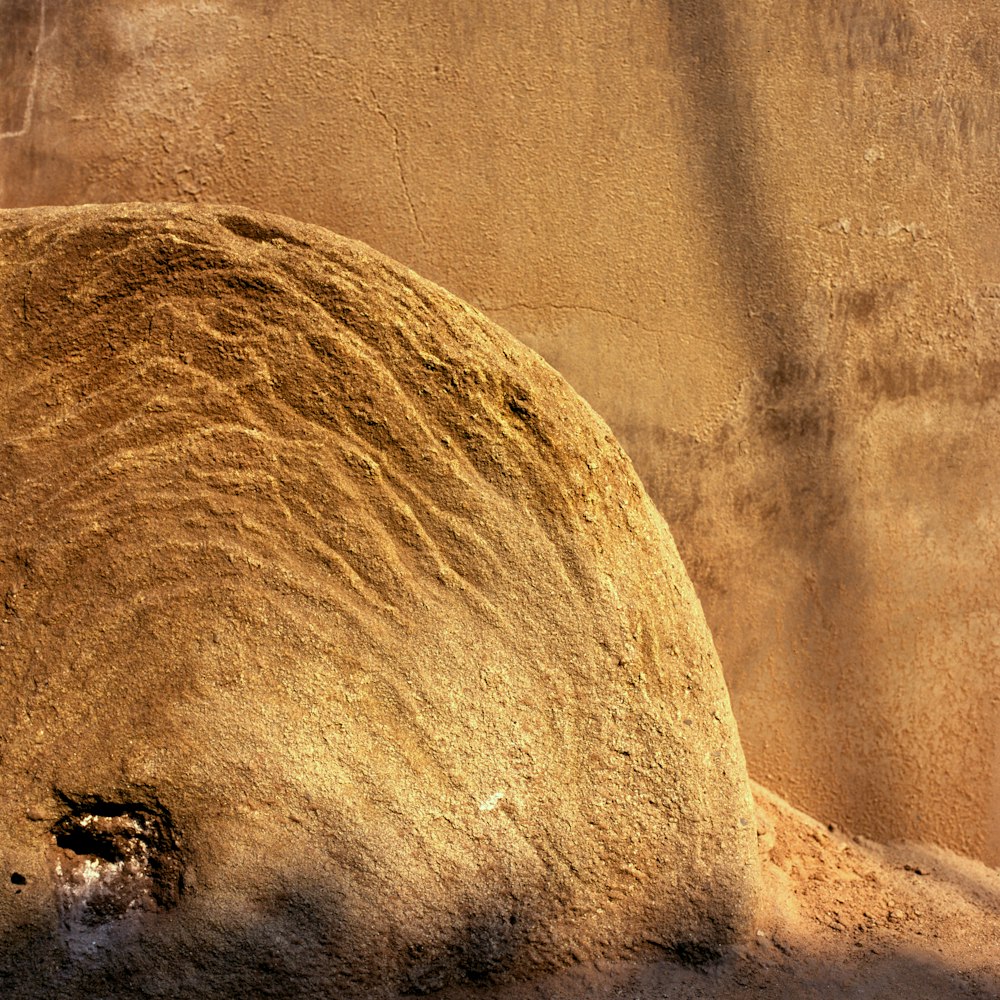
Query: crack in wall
{"points": [[565, 307], [656, 333], [29, 105], [398, 156]]}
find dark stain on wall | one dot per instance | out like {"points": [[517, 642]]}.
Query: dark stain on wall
{"points": [[20, 31]]}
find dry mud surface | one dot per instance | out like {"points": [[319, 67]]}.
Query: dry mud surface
{"points": [[844, 917], [342, 649]]}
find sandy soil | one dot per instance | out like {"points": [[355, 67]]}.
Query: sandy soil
{"points": [[844, 917]]}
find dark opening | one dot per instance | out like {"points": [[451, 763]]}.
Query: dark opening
{"points": [[135, 844]]}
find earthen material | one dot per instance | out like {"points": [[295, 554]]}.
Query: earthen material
{"points": [[342, 649], [759, 238], [843, 917]]}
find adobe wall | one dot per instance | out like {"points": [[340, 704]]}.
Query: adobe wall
{"points": [[761, 239]]}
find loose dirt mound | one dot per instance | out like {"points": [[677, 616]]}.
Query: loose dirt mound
{"points": [[842, 917], [342, 648]]}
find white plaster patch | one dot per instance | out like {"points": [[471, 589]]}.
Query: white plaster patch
{"points": [[488, 805]]}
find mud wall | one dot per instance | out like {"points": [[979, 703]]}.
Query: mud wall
{"points": [[760, 238]]}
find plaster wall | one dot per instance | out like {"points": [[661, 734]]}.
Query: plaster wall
{"points": [[763, 240]]}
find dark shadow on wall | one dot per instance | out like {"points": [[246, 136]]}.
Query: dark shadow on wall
{"points": [[21, 24], [39, 158], [784, 491]]}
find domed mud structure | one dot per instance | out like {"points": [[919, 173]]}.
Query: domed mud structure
{"points": [[342, 650]]}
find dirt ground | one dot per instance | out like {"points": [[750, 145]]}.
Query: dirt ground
{"points": [[844, 917]]}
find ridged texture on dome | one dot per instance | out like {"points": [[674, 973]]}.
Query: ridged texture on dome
{"points": [[342, 649]]}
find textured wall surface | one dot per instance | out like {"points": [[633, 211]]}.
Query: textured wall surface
{"points": [[760, 238]]}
